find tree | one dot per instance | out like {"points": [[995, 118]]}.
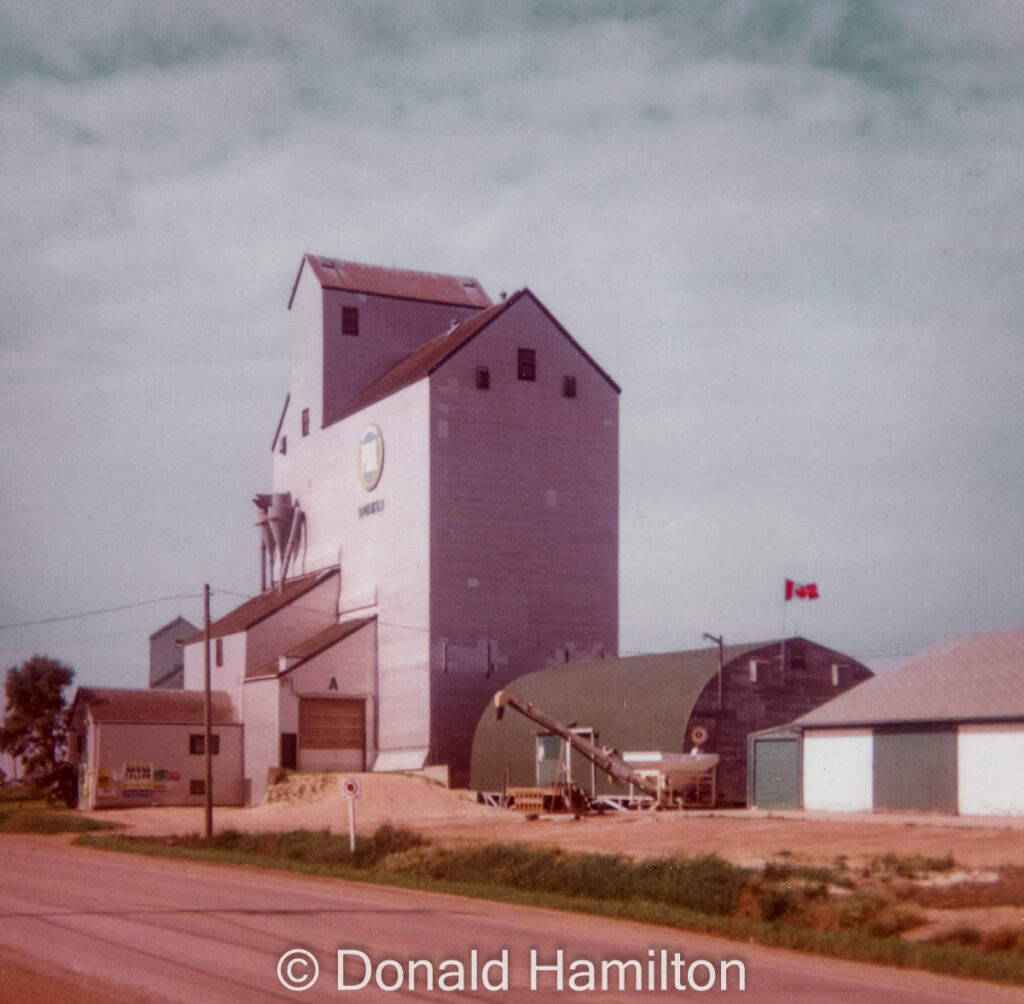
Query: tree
{"points": [[34, 728]]}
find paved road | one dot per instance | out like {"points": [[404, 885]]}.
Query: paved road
{"points": [[159, 929]]}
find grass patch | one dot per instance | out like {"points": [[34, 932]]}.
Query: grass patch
{"points": [[706, 894], [913, 866], [38, 816]]}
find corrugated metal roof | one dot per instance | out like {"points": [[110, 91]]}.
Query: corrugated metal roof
{"points": [[426, 359], [976, 677], [432, 287], [637, 702], [260, 607], [312, 646], [155, 707]]}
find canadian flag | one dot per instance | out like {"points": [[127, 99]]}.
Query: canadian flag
{"points": [[801, 591]]}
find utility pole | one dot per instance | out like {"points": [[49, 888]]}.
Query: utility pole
{"points": [[207, 718], [718, 641]]}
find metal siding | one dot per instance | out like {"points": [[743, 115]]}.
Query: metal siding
{"points": [[524, 519], [776, 772], [837, 770], [915, 768], [991, 769]]}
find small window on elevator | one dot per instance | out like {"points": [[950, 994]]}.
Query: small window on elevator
{"points": [[350, 320], [305, 421], [568, 386], [528, 364], [483, 377]]}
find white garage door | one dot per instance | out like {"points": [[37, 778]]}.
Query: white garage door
{"points": [[838, 770]]}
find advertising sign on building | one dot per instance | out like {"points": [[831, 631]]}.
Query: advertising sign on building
{"points": [[138, 779]]}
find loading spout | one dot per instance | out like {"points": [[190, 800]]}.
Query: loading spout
{"points": [[603, 757]]}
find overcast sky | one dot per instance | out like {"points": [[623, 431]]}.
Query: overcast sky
{"points": [[792, 232]]}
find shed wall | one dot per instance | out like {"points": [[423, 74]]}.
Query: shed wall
{"points": [[991, 769], [838, 769], [166, 749]]}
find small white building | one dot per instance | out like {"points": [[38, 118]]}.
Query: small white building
{"points": [[146, 747], [944, 732]]}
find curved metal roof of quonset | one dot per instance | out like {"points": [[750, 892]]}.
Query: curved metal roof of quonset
{"points": [[640, 702]]}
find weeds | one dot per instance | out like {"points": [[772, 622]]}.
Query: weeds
{"points": [[912, 867], [36, 817], [703, 894]]}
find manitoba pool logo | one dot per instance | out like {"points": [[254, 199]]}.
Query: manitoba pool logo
{"points": [[371, 457]]}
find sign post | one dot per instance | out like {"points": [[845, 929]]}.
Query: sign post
{"points": [[351, 789]]}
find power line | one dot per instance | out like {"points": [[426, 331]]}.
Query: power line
{"points": [[105, 610]]}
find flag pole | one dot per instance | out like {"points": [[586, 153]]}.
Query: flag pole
{"points": [[782, 645]]}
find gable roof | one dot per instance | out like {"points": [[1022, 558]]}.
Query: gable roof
{"points": [[965, 678], [155, 707], [186, 627], [423, 361], [311, 647], [431, 287], [261, 607]]}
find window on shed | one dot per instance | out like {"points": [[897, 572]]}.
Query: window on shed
{"points": [[798, 662], [197, 787], [527, 364], [305, 421], [760, 670], [197, 744], [218, 652], [838, 673], [350, 320], [568, 386], [483, 377]]}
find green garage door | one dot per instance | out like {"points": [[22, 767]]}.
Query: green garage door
{"points": [[915, 768], [776, 773]]}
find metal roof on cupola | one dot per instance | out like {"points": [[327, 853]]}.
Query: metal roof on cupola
{"points": [[406, 284]]}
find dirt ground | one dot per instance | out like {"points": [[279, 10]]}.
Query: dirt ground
{"points": [[748, 837]]}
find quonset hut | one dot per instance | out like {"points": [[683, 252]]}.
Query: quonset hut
{"points": [[658, 703]]}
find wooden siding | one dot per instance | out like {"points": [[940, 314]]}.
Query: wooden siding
{"points": [[384, 552], [389, 329], [777, 698], [228, 676], [291, 625], [327, 723], [524, 520], [166, 749], [261, 699]]}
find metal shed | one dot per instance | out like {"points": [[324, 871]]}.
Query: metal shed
{"points": [[944, 732], [774, 769]]}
